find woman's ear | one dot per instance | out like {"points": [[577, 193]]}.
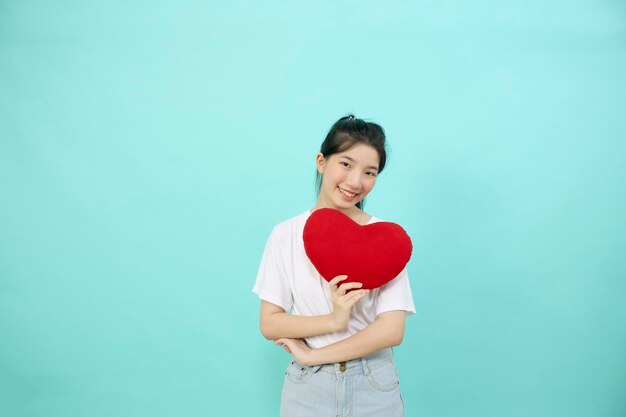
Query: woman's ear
{"points": [[320, 162]]}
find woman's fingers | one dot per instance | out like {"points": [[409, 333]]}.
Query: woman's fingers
{"points": [[343, 288], [333, 282], [284, 343], [353, 296]]}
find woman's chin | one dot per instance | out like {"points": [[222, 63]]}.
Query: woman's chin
{"points": [[344, 205]]}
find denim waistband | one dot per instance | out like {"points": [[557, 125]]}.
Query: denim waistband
{"points": [[355, 366]]}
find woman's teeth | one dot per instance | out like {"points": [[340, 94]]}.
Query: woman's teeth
{"points": [[346, 193]]}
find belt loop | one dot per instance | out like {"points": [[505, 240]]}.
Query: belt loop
{"points": [[366, 370]]}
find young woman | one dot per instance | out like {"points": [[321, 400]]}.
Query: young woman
{"points": [[340, 336]]}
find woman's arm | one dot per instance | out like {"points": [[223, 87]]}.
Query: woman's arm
{"points": [[276, 323], [386, 331]]}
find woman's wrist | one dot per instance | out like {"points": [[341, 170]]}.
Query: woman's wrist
{"points": [[334, 325], [321, 356], [313, 358]]}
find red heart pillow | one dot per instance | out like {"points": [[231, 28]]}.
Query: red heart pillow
{"points": [[373, 254]]}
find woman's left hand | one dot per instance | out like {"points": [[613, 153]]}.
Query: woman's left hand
{"points": [[300, 351]]}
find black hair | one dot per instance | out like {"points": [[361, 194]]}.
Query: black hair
{"points": [[345, 133]]}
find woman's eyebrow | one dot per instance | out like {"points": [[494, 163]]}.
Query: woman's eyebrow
{"points": [[354, 160]]}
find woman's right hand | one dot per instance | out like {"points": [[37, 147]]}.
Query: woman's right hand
{"points": [[343, 300]]}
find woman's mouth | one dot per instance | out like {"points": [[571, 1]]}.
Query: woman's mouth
{"points": [[346, 193]]}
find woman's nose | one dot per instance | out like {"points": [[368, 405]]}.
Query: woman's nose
{"points": [[353, 180]]}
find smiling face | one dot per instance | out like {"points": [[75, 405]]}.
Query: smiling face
{"points": [[347, 177]]}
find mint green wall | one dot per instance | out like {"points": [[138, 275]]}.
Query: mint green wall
{"points": [[147, 149]]}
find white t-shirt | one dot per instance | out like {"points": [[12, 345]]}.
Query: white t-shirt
{"points": [[287, 278]]}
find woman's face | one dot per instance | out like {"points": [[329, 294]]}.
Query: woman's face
{"points": [[347, 176]]}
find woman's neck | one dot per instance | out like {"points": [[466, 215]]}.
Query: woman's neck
{"points": [[353, 212]]}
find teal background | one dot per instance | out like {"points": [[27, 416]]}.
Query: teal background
{"points": [[147, 149]]}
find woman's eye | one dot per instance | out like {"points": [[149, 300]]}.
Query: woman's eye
{"points": [[371, 174], [345, 164]]}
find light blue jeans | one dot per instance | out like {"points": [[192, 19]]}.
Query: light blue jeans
{"points": [[362, 387]]}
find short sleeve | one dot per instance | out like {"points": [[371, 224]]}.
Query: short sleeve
{"points": [[396, 295], [272, 282]]}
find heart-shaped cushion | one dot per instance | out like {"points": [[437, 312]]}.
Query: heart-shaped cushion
{"points": [[373, 254]]}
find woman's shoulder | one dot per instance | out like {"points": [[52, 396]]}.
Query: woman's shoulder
{"points": [[292, 223]]}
